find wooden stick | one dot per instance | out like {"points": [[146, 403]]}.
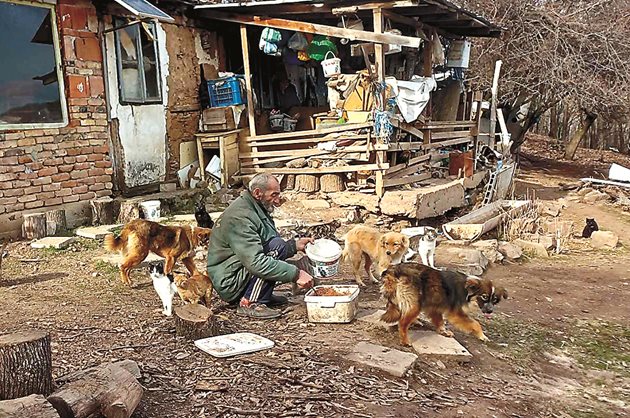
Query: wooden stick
{"points": [[319, 170], [406, 180], [449, 135], [312, 132], [448, 143], [493, 103]]}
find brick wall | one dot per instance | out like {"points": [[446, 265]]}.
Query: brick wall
{"points": [[48, 167]]}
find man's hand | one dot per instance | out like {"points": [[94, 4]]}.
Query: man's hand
{"points": [[300, 243], [304, 280]]}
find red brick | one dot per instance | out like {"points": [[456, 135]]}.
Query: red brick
{"points": [[51, 187], [33, 166], [109, 171], [49, 171], [73, 17], [45, 139], [34, 204], [78, 174], [69, 160], [65, 168], [7, 177], [78, 86], [81, 158], [21, 183], [53, 161], [41, 181], [79, 189], [87, 196], [13, 152], [104, 149], [26, 176], [26, 142], [53, 202], [73, 198], [82, 166], [9, 161], [13, 135], [103, 164], [25, 159], [60, 152], [61, 177], [44, 154], [103, 179], [102, 193], [88, 49], [14, 192], [68, 48], [46, 195], [74, 151], [69, 184], [28, 198], [97, 87], [33, 189], [97, 187], [95, 157], [96, 171], [8, 201], [34, 132], [63, 192]]}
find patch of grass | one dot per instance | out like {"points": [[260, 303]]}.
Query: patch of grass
{"points": [[89, 244], [517, 339], [105, 268], [116, 231], [51, 252], [590, 413]]}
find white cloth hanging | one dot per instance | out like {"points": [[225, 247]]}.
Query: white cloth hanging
{"points": [[412, 96]]}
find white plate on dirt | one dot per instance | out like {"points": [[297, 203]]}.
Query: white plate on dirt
{"points": [[233, 344]]}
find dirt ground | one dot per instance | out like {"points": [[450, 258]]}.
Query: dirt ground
{"points": [[558, 346]]}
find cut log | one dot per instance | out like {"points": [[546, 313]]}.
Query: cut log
{"points": [[194, 321], [108, 389], [25, 364], [29, 406], [290, 182], [105, 210], [129, 365], [330, 183], [34, 226], [55, 222], [128, 212], [306, 183]]}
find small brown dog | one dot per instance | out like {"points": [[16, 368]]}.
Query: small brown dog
{"points": [[412, 287], [193, 289], [380, 249], [140, 236]]}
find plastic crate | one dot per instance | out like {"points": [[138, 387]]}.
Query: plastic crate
{"points": [[226, 91]]}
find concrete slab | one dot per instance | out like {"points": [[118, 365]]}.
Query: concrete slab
{"points": [[315, 204], [392, 361], [58, 243], [116, 259], [430, 343], [373, 317], [426, 202], [95, 232], [364, 200]]}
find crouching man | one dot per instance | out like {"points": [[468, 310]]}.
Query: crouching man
{"points": [[246, 256]]}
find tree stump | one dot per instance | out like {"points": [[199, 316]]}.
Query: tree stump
{"points": [[330, 183], [34, 226], [290, 182], [29, 406], [105, 210], [108, 389], [55, 222], [194, 321], [128, 212], [306, 183], [25, 364]]}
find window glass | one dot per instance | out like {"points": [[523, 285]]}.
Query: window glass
{"points": [[151, 74], [29, 85], [128, 57]]}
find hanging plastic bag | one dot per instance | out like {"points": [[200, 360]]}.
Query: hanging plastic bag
{"points": [[303, 56], [319, 47], [269, 48], [437, 49], [298, 42], [271, 35]]}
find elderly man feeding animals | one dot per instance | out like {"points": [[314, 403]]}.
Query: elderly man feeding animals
{"points": [[246, 256]]}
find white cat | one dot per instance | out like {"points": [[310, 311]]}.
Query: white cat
{"points": [[164, 287], [426, 246]]}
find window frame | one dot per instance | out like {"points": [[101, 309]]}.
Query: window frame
{"points": [[118, 25], [58, 69]]}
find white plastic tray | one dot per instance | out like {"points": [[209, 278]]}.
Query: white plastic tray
{"points": [[233, 344]]}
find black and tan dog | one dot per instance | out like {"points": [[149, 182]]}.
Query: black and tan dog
{"points": [[411, 288], [139, 237]]}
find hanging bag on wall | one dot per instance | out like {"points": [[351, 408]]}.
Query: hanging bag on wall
{"points": [[298, 42], [271, 35]]}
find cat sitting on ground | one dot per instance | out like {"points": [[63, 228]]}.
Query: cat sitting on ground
{"points": [[591, 226], [164, 286], [426, 246]]}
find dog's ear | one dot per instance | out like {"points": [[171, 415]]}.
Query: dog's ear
{"points": [[473, 284], [405, 240], [502, 293], [382, 242]]}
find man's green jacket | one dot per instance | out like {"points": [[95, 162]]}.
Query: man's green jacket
{"points": [[235, 252]]}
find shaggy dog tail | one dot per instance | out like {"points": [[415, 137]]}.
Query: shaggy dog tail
{"points": [[392, 314], [112, 243]]}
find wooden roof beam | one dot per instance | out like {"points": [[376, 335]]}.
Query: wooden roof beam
{"points": [[406, 21], [375, 5], [315, 28]]}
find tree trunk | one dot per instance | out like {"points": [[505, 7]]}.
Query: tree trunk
{"points": [[34, 226], [56, 222], [306, 183], [104, 210], [25, 364], [194, 321], [128, 212], [290, 182], [330, 183], [572, 146], [554, 122], [108, 389], [35, 406]]}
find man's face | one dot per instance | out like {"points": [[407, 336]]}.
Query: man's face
{"points": [[269, 198]]}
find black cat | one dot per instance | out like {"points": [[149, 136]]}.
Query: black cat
{"points": [[591, 226]]}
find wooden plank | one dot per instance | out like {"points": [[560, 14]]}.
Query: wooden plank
{"points": [[312, 132], [449, 124], [300, 153], [406, 180], [493, 102], [315, 28], [449, 143], [280, 159], [415, 160], [379, 59], [412, 169], [374, 5], [319, 170], [449, 135], [408, 128], [261, 144], [405, 146], [395, 17], [248, 81]]}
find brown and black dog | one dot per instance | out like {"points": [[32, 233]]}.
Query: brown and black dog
{"points": [[412, 287], [140, 236]]}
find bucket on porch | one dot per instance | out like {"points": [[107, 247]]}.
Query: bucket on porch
{"points": [[151, 210], [331, 66], [324, 255]]}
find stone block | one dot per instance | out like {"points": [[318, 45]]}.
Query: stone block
{"points": [[584, 191], [489, 248], [604, 239], [437, 200], [595, 196], [58, 243], [475, 180], [468, 260], [392, 361], [95, 232], [366, 201], [533, 248], [315, 204], [430, 343], [373, 317], [510, 251]]}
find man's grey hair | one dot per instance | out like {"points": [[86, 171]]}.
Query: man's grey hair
{"points": [[260, 181]]}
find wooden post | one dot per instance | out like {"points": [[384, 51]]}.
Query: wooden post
{"points": [[379, 57], [25, 364], [194, 321], [55, 221], [34, 226], [29, 406], [248, 81], [493, 103]]}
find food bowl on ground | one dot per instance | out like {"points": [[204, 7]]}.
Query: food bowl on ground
{"points": [[336, 304]]}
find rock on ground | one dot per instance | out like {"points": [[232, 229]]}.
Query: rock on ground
{"points": [[534, 248], [430, 343], [468, 260], [595, 196], [510, 251], [58, 243], [604, 239], [426, 202], [95, 232], [489, 248], [373, 317], [392, 361]]}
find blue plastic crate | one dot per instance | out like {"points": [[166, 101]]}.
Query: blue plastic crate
{"points": [[226, 91]]}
